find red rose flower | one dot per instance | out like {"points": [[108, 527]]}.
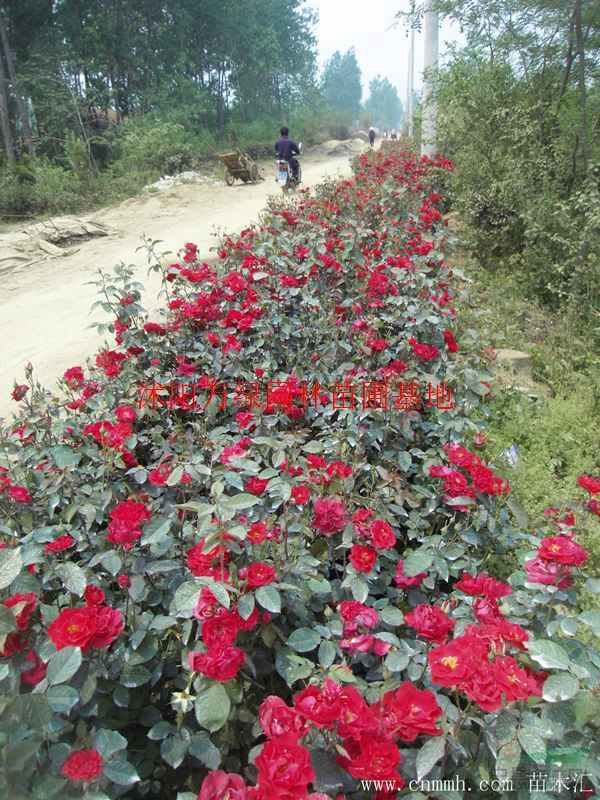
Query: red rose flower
{"points": [[590, 483], [19, 494], [550, 573], [123, 581], [284, 768], [35, 673], [430, 622], [482, 586], [218, 663], [404, 582], [221, 629], [24, 606], [362, 558], [257, 533], [19, 392], [301, 494], [126, 414], [454, 663], [563, 550], [213, 563], [409, 712], [160, 474], [83, 765], [109, 625], [74, 377], [93, 595], [278, 719], [58, 545], [329, 515], [258, 574], [256, 485], [451, 344], [426, 352], [219, 785], [126, 519], [91, 626], [371, 757], [381, 534], [354, 614]]}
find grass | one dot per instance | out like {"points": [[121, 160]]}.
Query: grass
{"points": [[557, 436]]}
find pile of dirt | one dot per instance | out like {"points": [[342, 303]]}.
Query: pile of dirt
{"points": [[45, 240], [167, 182], [335, 147]]}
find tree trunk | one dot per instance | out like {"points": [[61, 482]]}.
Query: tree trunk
{"points": [[583, 135], [23, 115], [4, 118]]}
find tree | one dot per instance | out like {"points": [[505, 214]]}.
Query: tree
{"points": [[341, 83], [383, 103]]}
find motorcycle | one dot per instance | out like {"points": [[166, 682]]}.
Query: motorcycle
{"points": [[284, 176]]}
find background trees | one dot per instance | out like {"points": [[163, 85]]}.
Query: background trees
{"points": [[341, 83], [383, 104], [520, 114]]}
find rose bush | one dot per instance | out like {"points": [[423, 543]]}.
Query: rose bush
{"points": [[282, 595]]}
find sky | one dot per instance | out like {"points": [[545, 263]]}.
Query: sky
{"points": [[380, 48]]}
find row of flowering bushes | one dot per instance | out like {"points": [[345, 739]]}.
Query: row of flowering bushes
{"points": [[212, 590]]}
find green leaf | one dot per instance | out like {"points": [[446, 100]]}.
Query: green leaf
{"points": [[8, 621], [548, 655], [560, 687], [533, 744], [62, 698], [109, 742], [156, 531], [10, 565], [327, 653], [428, 756], [212, 707], [359, 588], [269, 598], [173, 749], [396, 661], [246, 605], [134, 676], [63, 665], [508, 760], [293, 668], [73, 577], [416, 562], [591, 618], [392, 616], [120, 772], [185, 598], [239, 502], [219, 590], [65, 456], [303, 640], [205, 751]]}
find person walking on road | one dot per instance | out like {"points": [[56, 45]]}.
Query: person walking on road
{"points": [[372, 136]]}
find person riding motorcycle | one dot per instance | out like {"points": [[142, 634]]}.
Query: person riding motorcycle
{"points": [[286, 149]]}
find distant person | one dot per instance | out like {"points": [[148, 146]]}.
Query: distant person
{"points": [[371, 136], [286, 149], [394, 135]]}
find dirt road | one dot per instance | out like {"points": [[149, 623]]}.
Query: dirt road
{"points": [[45, 310]]}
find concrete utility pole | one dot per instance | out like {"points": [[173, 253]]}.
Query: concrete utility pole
{"points": [[429, 123], [410, 91]]}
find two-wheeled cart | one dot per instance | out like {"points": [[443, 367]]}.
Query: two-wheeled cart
{"points": [[239, 166]]}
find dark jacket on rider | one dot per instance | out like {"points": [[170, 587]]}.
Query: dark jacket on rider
{"points": [[286, 148]]}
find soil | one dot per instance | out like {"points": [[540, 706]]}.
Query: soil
{"points": [[45, 308]]}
